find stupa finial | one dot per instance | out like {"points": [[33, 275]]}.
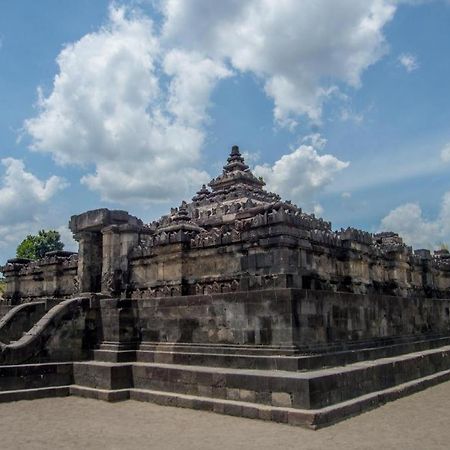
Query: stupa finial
{"points": [[235, 161], [235, 151], [235, 173]]}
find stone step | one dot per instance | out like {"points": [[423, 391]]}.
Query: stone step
{"points": [[307, 399], [108, 395], [298, 350], [209, 348], [265, 362], [30, 376], [312, 418], [32, 394], [307, 390], [309, 418], [118, 356], [283, 362], [244, 349], [103, 375], [370, 343]]}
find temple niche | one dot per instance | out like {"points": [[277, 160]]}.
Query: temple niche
{"points": [[235, 279]]}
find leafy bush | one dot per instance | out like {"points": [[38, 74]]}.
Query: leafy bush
{"points": [[36, 246]]}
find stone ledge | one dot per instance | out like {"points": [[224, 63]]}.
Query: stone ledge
{"points": [[32, 394], [309, 390], [312, 419], [100, 394]]}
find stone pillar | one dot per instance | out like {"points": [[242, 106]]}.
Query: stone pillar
{"points": [[99, 233], [110, 264], [118, 240], [89, 261], [119, 324]]}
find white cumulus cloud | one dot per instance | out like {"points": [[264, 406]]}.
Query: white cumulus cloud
{"points": [[301, 174], [194, 77], [130, 100], [23, 200], [408, 220], [292, 45], [108, 108]]}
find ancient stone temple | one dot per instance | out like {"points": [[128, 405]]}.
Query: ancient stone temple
{"points": [[236, 302]]}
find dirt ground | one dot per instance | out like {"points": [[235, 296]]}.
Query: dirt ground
{"points": [[421, 421]]}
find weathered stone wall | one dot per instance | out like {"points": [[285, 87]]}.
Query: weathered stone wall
{"points": [[359, 269], [53, 276], [172, 270], [270, 245], [326, 317], [257, 317], [255, 248], [272, 317]]}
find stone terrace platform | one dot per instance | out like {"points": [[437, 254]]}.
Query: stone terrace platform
{"points": [[255, 382], [236, 302]]}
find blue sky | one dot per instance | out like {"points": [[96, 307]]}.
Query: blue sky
{"points": [[341, 106]]}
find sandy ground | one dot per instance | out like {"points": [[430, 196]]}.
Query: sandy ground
{"points": [[421, 421]]}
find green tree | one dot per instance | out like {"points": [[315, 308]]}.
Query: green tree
{"points": [[36, 246]]}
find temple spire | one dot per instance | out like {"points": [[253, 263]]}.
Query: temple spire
{"points": [[182, 214], [235, 173], [201, 194], [235, 161]]}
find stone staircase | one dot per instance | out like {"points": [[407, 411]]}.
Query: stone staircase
{"points": [[269, 358], [314, 387]]}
